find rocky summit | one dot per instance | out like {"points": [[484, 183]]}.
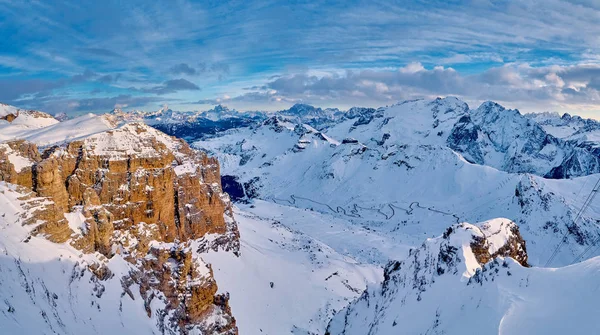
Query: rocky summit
{"points": [[144, 197]]}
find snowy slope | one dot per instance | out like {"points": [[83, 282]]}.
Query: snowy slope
{"points": [[8, 109], [33, 119], [56, 287], [286, 279], [389, 178], [567, 126], [443, 287], [52, 132], [330, 197], [46, 287], [71, 130], [15, 123], [488, 135], [408, 183]]}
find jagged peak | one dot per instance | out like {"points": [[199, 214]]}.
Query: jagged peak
{"points": [[489, 105], [474, 245], [404, 102], [449, 100], [62, 116], [492, 107], [301, 109], [220, 108], [449, 105], [302, 105], [357, 108]]}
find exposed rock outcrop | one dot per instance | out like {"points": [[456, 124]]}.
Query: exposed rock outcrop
{"points": [[44, 216], [171, 274], [16, 161], [451, 266], [136, 174], [146, 196]]}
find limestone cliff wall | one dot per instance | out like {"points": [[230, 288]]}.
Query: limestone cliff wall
{"points": [[137, 188]]}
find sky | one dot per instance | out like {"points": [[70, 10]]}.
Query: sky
{"points": [[93, 56]]}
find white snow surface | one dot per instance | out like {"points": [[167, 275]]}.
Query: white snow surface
{"points": [[411, 186], [395, 182], [46, 288], [329, 215], [7, 109], [129, 139], [501, 297], [310, 279], [55, 132]]}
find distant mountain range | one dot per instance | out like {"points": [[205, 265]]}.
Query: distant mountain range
{"points": [[424, 217]]}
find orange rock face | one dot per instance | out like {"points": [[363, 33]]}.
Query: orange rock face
{"points": [[24, 151], [188, 291], [175, 188], [138, 188], [9, 117]]}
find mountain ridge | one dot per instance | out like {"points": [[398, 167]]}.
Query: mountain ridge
{"points": [[140, 197], [332, 200]]}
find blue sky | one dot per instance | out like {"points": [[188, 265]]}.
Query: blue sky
{"points": [[92, 56]]}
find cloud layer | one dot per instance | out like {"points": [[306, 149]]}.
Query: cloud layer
{"points": [[570, 87], [261, 54]]}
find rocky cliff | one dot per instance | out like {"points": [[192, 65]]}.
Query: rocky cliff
{"points": [[457, 269], [146, 196]]}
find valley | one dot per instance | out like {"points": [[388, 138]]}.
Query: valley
{"points": [[330, 210]]}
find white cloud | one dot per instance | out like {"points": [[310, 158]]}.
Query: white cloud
{"points": [[541, 54], [519, 85]]}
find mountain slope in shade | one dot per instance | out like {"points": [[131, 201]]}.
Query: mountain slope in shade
{"points": [[464, 282], [488, 135]]}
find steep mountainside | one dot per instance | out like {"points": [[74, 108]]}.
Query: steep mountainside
{"points": [[566, 126], [393, 171], [141, 207], [474, 279], [489, 135]]}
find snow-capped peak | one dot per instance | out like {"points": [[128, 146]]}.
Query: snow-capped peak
{"points": [[307, 112]]}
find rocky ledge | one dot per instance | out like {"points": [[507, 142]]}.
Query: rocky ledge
{"points": [[146, 196], [465, 256]]}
